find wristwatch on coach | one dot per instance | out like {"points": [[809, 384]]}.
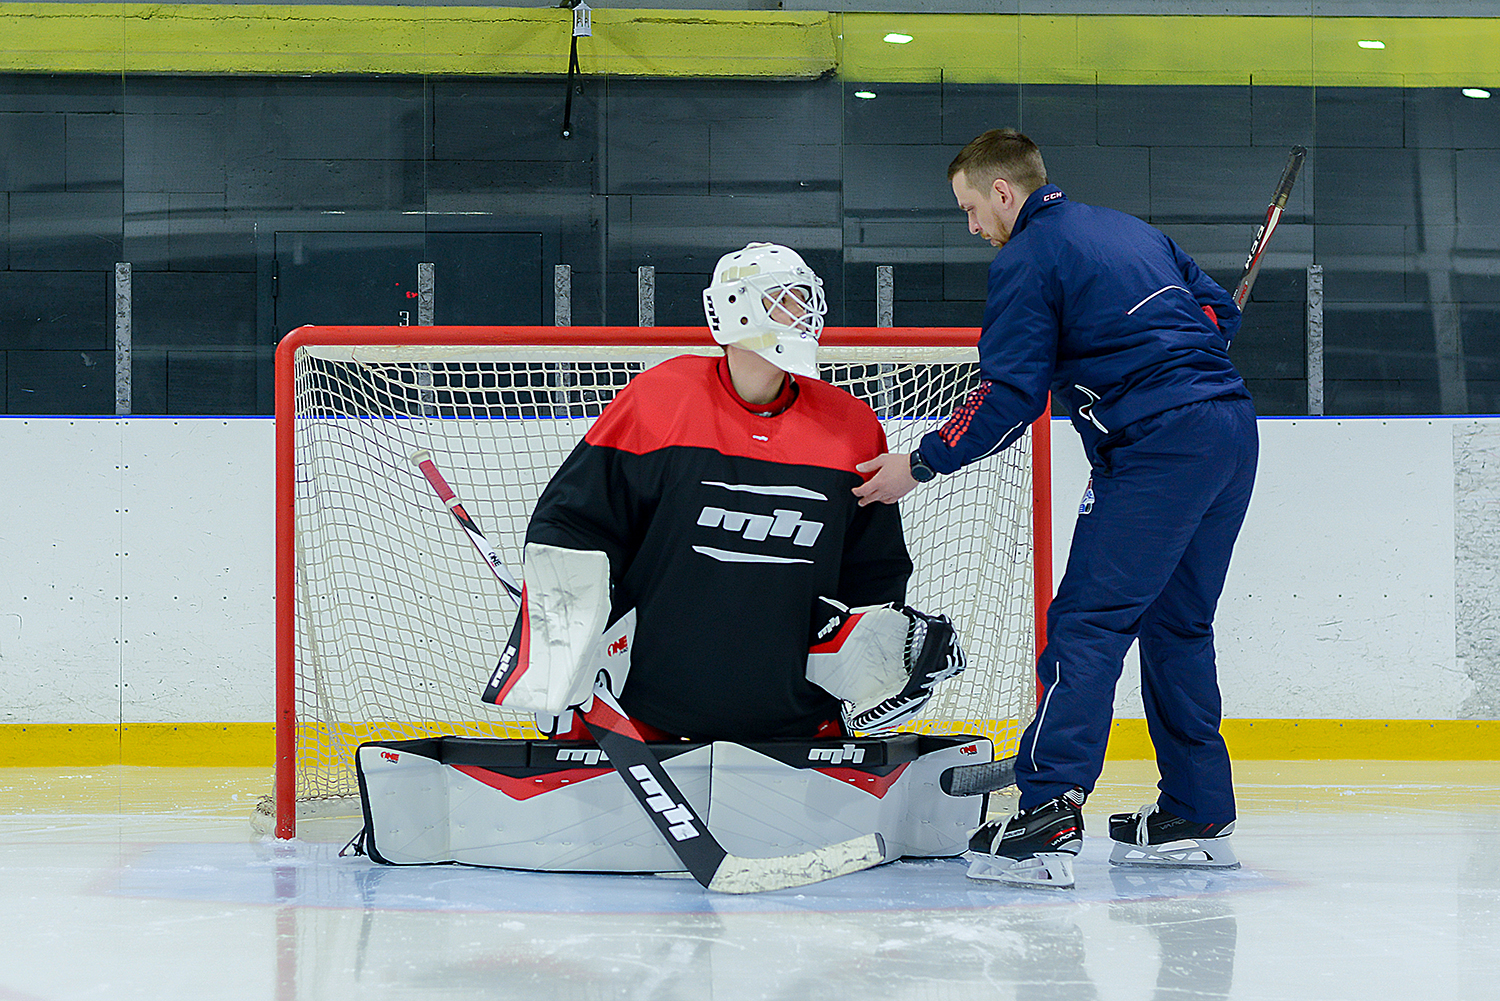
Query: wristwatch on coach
{"points": [[920, 470]]}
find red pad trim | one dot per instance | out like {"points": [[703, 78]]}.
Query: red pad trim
{"points": [[534, 785], [875, 785], [836, 641], [603, 715], [523, 652]]}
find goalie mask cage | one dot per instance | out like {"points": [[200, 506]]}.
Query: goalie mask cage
{"points": [[387, 622]]}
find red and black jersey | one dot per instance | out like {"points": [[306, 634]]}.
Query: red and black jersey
{"points": [[722, 525]]}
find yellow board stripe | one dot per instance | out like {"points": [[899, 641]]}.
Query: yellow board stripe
{"points": [[252, 744], [1334, 739], [963, 48]]}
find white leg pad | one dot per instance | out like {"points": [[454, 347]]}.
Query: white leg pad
{"points": [[559, 806]]}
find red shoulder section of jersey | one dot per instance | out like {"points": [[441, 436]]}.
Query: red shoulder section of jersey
{"points": [[681, 403]]}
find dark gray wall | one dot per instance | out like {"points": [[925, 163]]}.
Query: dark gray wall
{"points": [[203, 185]]}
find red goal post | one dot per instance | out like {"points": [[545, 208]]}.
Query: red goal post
{"points": [[365, 648]]}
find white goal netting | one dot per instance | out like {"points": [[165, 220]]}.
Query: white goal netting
{"points": [[398, 623]]}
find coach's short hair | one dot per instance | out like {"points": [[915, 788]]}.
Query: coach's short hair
{"points": [[1000, 153]]}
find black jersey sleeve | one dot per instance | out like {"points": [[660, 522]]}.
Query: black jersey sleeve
{"points": [[876, 564], [596, 501]]}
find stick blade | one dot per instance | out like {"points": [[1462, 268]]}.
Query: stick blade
{"points": [[975, 780], [757, 875]]}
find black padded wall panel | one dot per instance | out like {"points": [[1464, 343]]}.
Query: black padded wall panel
{"points": [[190, 179]]}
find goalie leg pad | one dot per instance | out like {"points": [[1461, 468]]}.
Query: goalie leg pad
{"points": [[559, 806]]}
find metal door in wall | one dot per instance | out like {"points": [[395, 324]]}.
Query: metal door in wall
{"points": [[371, 278]]}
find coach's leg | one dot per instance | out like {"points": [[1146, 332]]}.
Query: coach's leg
{"points": [[1179, 677], [1152, 488], [1125, 547]]}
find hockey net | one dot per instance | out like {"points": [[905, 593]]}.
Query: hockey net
{"points": [[388, 624]]}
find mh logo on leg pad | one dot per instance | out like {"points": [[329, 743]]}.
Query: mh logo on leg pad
{"points": [[587, 755], [837, 755], [679, 816]]}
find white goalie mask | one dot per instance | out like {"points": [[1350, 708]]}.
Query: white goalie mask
{"points": [[766, 299]]}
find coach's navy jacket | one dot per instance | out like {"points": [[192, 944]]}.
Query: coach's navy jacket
{"points": [[1101, 309]]}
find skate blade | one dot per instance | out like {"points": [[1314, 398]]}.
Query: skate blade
{"points": [[1190, 853], [1048, 870]]}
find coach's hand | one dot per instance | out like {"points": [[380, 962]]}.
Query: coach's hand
{"points": [[891, 480]]}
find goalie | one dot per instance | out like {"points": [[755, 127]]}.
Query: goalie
{"points": [[711, 500]]}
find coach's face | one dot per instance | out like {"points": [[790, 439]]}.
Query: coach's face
{"points": [[992, 211]]}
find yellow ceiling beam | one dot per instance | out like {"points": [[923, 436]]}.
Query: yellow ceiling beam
{"points": [[338, 38], [965, 48]]}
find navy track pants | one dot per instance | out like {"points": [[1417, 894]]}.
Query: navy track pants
{"points": [[1148, 561]]}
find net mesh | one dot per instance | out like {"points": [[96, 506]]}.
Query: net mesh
{"points": [[399, 623]]}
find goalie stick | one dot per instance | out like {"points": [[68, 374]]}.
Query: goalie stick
{"points": [[1273, 216], [423, 460], [630, 756]]}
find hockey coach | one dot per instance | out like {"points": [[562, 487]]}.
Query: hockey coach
{"points": [[1110, 316]]}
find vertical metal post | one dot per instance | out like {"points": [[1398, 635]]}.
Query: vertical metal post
{"points": [[425, 302], [426, 299], [646, 296], [885, 296], [884, 401], [1315, 340], [122, 339], [562, 295]]}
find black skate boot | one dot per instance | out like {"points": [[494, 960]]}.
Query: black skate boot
{"points": [[1033, 847], [1152, 836]]}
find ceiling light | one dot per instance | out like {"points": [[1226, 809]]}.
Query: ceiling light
{"points": [[1370, 43], [1475, 92], [896, 38], [869, 95]]}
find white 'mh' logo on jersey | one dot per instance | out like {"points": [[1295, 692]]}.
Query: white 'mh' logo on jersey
{"points": [[782, 523], [785, 524]]}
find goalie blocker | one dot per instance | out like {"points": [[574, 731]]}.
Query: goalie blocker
{"points": [[558, 805]]}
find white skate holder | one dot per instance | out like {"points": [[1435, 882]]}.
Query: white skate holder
{"points": [[1047, 870], [1189, 853]]}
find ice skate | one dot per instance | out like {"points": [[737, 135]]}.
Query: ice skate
{"points": [[1152, 836], [1034, 847]]}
